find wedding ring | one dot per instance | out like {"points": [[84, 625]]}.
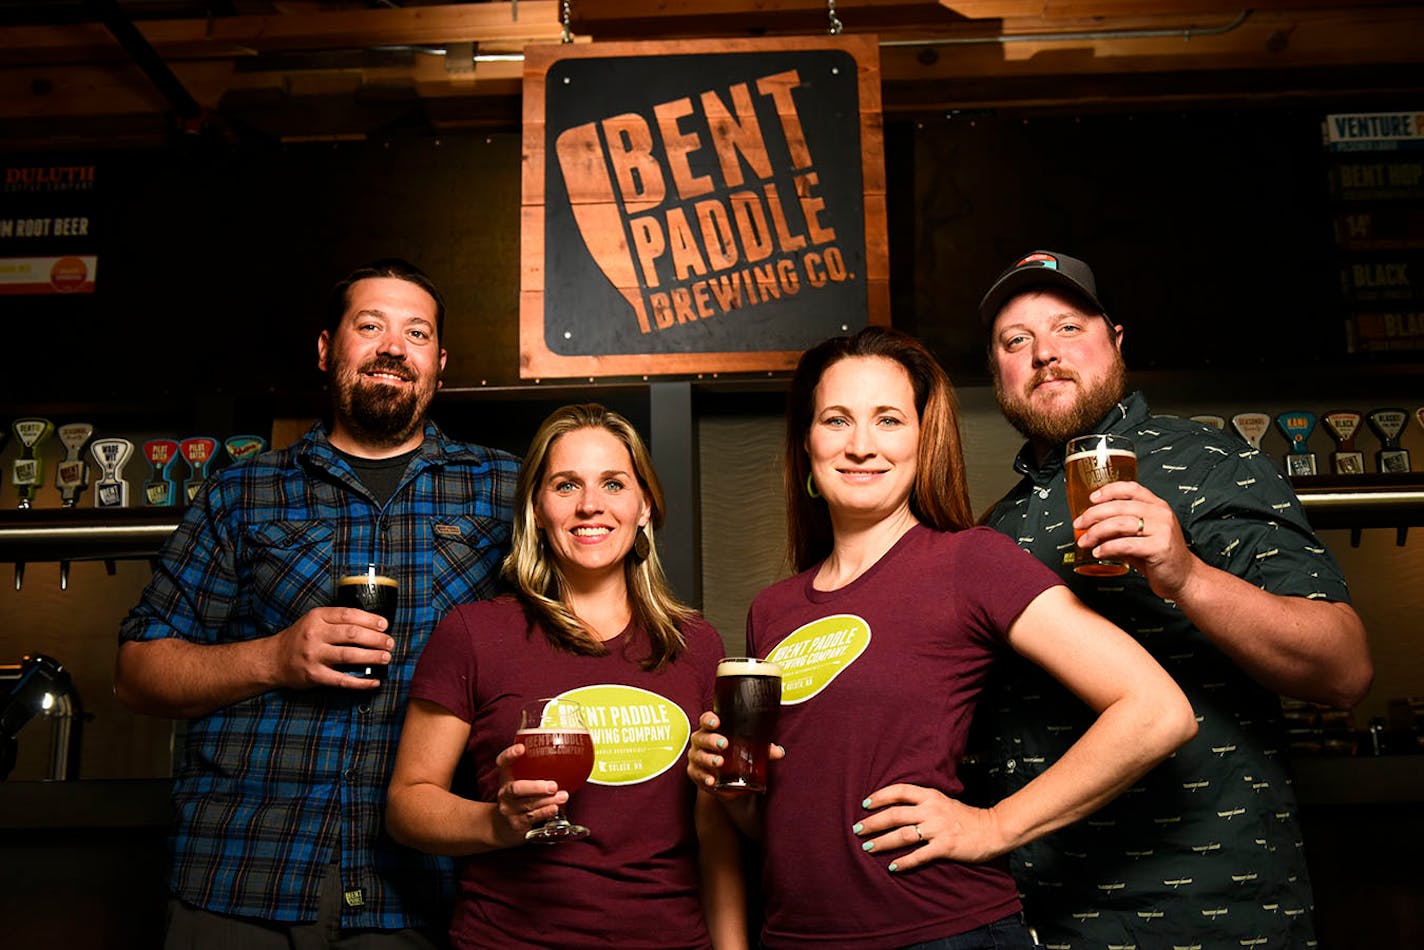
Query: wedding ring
{"points": [[918, 836], [1141, 526]]}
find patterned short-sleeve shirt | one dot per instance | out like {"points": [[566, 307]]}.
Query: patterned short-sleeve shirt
{"points": [[1206, 849]]}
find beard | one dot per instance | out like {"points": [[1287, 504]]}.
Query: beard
{"points": [[1057, 425], [376, 412]]}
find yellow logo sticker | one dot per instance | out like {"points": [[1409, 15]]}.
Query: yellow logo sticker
{"points": [[814, 655], [637, 735]]}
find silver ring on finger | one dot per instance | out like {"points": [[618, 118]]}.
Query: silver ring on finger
{"points": [[918, 836]]}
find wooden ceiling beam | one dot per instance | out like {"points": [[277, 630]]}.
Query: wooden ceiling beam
{"points": [[964, 51], [1265, 40], [537, 21], [642, 19]]}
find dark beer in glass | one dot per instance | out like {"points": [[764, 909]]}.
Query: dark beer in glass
{"points": [[747, 701], [375, 593]]}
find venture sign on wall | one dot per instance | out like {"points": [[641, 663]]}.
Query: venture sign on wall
{"points": [[699, 207]]}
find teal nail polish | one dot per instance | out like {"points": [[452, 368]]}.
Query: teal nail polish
{"points": [[894, 867], [868, 846], [856, 827], [865, 804], [721, 743]]}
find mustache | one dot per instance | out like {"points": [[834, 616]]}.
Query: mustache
{"points": [[1050, 372], [386, 364]]}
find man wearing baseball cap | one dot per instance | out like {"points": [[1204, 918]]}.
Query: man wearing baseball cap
{"points": [[1230, 590]]}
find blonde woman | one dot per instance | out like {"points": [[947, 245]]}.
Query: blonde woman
{"points": [[592, 619]]}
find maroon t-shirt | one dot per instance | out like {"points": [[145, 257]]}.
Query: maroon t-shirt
{"points": [[879, 684], [634, 881]]}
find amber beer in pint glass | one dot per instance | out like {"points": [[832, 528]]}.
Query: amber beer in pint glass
{"points": [[557, 748], [366, 588], [747, 700], [1092, 462]]}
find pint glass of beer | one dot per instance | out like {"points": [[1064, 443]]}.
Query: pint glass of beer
{"points": [[747, 700], [366, 587], [1092, 462], [557, 748]]}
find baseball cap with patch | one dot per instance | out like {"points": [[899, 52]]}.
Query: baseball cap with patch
{"points": [[1039, 269]]}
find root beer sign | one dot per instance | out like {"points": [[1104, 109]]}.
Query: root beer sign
{"points": [[696, 207]]}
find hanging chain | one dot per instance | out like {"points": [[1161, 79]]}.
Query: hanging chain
{"points": [[835, 27], [568, 36]]}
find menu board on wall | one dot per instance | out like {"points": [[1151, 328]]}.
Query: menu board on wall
{"points": [[699, 206], [48, 229], [1377, 188]]}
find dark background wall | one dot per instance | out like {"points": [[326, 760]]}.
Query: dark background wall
{"points": [[214, 262], [1210, 230], [1197, 223]]}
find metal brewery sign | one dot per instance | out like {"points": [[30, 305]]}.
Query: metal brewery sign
{"points": [[695, 207]]}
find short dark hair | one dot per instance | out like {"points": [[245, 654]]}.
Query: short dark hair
{"points": [[939, 497], [340, 296]]}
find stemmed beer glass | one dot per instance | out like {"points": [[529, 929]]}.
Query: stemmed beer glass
{"points": [[557, 748]]}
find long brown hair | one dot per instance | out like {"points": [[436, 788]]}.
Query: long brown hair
{"points": [[535, 574], [939, 497]]}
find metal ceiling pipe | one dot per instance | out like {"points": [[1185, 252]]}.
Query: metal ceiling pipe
{"points": [[1066, 36]]}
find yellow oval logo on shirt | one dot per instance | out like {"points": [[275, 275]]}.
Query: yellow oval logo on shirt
{"points": [[814, 655], [637, 734]]}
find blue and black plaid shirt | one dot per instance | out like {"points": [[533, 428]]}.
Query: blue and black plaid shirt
{"points": [[277, 787]]}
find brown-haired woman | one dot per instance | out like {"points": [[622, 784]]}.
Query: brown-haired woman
{"points": [[885, 638]]}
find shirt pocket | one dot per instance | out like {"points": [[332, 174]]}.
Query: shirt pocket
{"points": [[287, 568], [466, 556]]}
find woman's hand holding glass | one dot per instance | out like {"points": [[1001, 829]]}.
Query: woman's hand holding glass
{"points": [[558, 754], [704, 752], [704, 761], [524, 804]]}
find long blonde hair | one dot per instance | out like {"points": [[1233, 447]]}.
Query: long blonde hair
{"points": [[535, 574]]}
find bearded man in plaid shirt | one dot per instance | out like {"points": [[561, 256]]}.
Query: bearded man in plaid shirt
{"points": [[278, 796]]}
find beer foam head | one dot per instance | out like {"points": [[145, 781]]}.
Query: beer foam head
{"points": [[1103, 454], [377, 580], [747, 666]]}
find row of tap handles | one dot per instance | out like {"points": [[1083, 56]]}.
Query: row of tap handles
{"points": [[111, 455], [73, 473], [1342, 425]]}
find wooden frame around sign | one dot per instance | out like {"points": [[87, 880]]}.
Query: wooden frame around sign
{"points": [[536, 359]]}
